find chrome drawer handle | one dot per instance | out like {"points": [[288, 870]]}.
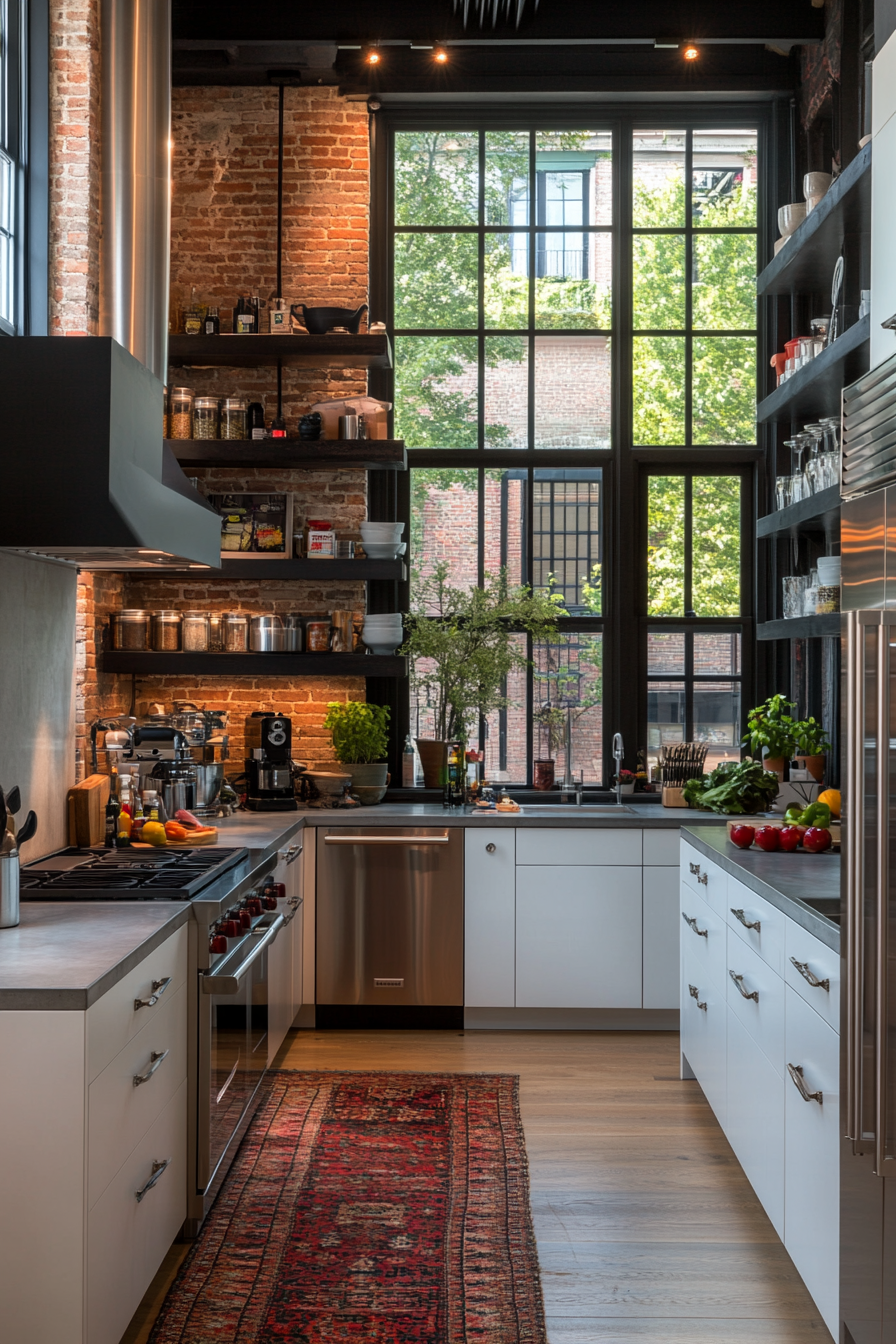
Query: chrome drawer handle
{"points": [[691, 921], [695, 869], [157, 1169], [747, 923], [796, 1073], [155, 1059], [695, 994], [289, 855], [490, 848], [813, 980], [703, 879], [158, 989], [746, 993]]}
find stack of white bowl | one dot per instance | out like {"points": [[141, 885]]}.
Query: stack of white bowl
{"points": [[828, 567], [382, 541], [383, 633]]}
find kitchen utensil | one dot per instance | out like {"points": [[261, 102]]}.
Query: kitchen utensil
{"points": [[836, 291], [9, 890], [348, 426], [267, 634], [790, 217], [28, 829], [14, 800], [319, 321]]}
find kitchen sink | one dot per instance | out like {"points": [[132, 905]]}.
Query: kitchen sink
{"points": [[829, 906], [571, 810]]}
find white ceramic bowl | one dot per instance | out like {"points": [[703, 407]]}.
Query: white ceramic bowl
{"points": [[392, 631], [789, 216], [387, 649], [811, 202], [387, 529], [391, 626], [381, 550], [828, 570]]}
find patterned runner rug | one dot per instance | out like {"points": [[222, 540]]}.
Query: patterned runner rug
{"points": [[373, 1208]]}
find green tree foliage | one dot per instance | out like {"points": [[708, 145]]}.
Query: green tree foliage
{"points": [[715, 580]]}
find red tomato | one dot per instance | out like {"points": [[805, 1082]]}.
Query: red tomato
{"points": [[817, 839], [790, 838], [768, 838], [742, 836]]}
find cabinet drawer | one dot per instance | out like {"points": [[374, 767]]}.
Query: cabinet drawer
{"points": [[816, 963], [703, 935], [127, 1240], [745, 911], [564, 847], [661, 847], [704, 1019], [113, 1019], [754, 1123], [705, 877], [659, 960], [762, 1016], [119, 1113], [812, 1155]]}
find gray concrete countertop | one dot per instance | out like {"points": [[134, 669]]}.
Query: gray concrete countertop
{"points": [[63, 956], [786, 881]]}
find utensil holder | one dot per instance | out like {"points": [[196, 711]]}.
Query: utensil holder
{"points": [[9, 891], [673, 797]]}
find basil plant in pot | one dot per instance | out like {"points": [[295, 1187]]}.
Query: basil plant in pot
{"points": [[463, 644], [360, 735], [770, 732]]}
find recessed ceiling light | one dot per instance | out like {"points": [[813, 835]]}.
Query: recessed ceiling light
{"points": [[690, 52], [440, 55]]}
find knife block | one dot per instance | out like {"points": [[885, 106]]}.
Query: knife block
{"points": [[673, 797]]}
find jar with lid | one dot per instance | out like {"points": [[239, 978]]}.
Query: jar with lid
{"points": [[205, 418], [195, 631], [130, 629], [180, 412], [216, 632], [317, 636], [236, 632], [165, 631], [234, 420]]}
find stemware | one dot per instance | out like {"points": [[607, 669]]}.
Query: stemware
{"points": [[783, 487], [815, 435]]}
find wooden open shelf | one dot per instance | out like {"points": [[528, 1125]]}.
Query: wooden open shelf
{"points": [[254, 664], [818, 513], [292, 454], [815, 390], [255, 352], [323, 571]]}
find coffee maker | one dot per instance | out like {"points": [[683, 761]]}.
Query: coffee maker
{"points": [[269, 771]]}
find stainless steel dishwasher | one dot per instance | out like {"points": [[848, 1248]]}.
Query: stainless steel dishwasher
{"points": [[390, 927]]}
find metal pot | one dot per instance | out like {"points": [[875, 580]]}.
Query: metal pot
{"points": [[209, 778], [267, 635], [9, 890]]}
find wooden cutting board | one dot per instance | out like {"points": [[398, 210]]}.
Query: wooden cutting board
{"points": [[87, 811]]}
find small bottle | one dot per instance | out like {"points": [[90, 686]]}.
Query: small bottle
{"points": [[139, 818], [245, 317], [455, 777], [113, 807], [212, 325], [255, 415], [278, 427], [408, 764]]}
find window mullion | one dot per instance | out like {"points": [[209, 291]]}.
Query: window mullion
{"points": [[688, 290]]}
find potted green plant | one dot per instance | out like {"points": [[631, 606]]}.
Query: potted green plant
{"points": [[360, 735], [770, 732], [811, 745], [463, 645]]}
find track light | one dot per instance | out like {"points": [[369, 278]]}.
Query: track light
{"points": [[372, 56], [440, 56], [690, 52]]}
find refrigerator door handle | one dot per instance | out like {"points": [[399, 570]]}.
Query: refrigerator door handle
{"points": [[882, 1153], [855, 681]]}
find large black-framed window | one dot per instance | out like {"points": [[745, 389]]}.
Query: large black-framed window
{"points": [[13, 130]]}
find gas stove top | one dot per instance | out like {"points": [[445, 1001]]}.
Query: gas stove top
{"points": [[126, 875]]}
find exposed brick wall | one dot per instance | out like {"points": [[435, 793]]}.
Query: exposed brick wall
{"points": [[96, 693]]}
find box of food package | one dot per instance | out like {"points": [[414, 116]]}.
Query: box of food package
{"points": [[320, 543]]}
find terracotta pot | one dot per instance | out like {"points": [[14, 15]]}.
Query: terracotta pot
{"points": [[775, 764], [814, 764], [434, 759], [543, 777]]}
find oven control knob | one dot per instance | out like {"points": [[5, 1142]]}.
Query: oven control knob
{"points": [[229, 927], [270, 902], [218, 943], [245, 919], [253, 905]]}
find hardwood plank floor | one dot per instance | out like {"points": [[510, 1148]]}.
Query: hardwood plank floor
{"points": [[648, 1231]]}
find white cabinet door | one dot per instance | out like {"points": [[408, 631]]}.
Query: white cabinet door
{"points": [[489, 917], [704, 936], [661, 941], [565, 846], [704, 877], [756, 998], [297, 933], [756, 923], [754, 1121], [578, 937], [812, 1155], [813, 970], [883, 205], [704, 1018]]}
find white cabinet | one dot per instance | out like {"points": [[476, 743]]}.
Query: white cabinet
{"points": [[756, 998], [563, 846], [756, 923], [280, 976], [754, 1121], [578, 937], [490, 917], [703, 937], [659, 959], [704, 1033], [704, 877]]}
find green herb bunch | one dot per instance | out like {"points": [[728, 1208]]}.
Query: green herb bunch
{"points": [[733, 788]]}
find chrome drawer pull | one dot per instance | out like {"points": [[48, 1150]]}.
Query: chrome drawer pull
{"points": [[695, 868], [695, 994], [747, 923], [158, 989], [691, 921], [157, 1169], [747, 993], [796, 1073], [813, 980], [703, 879], [155, 1059], [289, 855]]}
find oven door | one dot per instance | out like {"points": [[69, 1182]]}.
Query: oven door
{"points": [[233, 1044]]}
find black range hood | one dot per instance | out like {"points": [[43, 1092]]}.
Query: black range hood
{"points": [[84, 471]]}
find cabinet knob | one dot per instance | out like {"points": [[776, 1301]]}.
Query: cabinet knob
{"points": [[490, 848]]}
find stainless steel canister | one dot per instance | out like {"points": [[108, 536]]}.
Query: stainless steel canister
{"points": [[348, 426], [293, 624], [267, 635], [9, 890]]}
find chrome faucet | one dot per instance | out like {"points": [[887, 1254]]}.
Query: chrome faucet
{"points": [[618, 757]]}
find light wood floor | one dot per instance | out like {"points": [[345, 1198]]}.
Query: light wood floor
{"points": [[647, 1228]]}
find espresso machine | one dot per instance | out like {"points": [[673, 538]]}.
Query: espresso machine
{"points": [[269, 766]]}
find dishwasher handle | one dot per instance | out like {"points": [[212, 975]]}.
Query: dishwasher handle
{"points": [[387, 839]]}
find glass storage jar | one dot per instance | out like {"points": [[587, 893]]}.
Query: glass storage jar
{"points": [[216, 632], [317, 636], [165, 631], [234, 418], [205, 418], [236, 632], [180, 413], [195, 631], [130, 630]]}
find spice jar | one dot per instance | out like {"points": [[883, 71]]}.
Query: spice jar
{"points": [[165, 631], [236, 632], [165, 433], [216, 632], [130, 630], [317, 637], [205, 418], [195, 631], [234, 418], [180, 413]]}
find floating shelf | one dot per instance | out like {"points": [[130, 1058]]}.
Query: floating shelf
{"points": [[358, 571], [818, 513], [291, 454], [806, 262], [802, 627], [254, 664], [255, 352], [815, 390]]}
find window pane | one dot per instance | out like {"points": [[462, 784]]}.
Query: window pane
{"points": [[445, 524], [717, 652], [658, 369], [724, 389], [568, 680], [665, 651], [506, 392], [436, 177], [572, 392], [7, 248], [506, 759], [724, 276], [666, 716], [561, 157], [724, 179], [716, 545], [505, 522], [658, 179], [506, 280], [566, 553], [573, 285], [436, 391], [665, 545], [717, 720], [436, 280], [658, 262], [507, 177]]}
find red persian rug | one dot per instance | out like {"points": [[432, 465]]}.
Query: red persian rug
{"points": [[374, 1208]]}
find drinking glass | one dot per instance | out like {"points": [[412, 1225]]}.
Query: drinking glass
{"points": [[794, 588], [783, 487], [814, 435], [796, 447]]}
